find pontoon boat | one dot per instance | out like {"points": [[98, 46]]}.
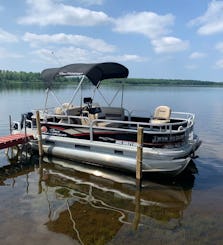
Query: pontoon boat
{"points": [[107, 135]]}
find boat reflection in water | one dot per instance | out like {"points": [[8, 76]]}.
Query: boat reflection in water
{"points": [[94, 204]]}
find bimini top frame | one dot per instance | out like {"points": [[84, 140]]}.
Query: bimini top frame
{"points": [[95, 72]]}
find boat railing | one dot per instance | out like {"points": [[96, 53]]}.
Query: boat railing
{"points": [[25, 124], [182, 115], [173, 128], [174, 114], [157, 127], [183, 125], [131, 126], [189, 117]]}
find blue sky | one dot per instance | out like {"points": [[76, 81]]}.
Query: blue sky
{"points": [[175, 39]]}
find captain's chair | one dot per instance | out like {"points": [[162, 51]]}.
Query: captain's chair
{"points": [[161, 115]]}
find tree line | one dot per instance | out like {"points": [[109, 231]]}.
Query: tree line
{"points": [[13, 79], [32, 80]]}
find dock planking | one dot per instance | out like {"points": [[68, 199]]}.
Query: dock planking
{"points": [[13, 140]]}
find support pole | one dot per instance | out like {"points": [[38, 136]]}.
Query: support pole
{"points": [[137, 209], [40, 187], [10, 124], [139, 156], [39, 132]]}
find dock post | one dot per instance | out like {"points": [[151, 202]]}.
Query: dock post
{"points": [[139, 156], [39, 132], [136, 219], [10, 124]]}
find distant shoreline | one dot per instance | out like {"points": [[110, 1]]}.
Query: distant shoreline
{"points": [[171, 82], [30, 80]]}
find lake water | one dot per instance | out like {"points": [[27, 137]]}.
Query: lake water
{"points": [[41, 202]]}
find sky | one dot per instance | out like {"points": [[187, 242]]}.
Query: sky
{"points": [[169, 39]]}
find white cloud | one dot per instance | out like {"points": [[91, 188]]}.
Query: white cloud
{"points": [[126, 57], [7, 37], [169, 45], [70, 54], [197, 55], [49, 12], [212, 20], [132, 57], [153, 26], [45, 12], [147, 23], [75, 40], [91, 2], [63, 56]]}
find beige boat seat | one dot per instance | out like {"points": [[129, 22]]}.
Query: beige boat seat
{"points": [[62, 109], [161, 115], [69, 110]]}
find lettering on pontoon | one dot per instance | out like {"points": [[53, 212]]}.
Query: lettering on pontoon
{"points": [[171, 138]]}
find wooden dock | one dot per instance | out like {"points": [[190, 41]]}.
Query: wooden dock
{"points": [[13, 140]]}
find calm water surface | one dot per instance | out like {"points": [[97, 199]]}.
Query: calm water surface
{"points": [[43, 202]]}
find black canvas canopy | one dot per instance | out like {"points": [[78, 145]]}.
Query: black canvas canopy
{"points": [[95, 72]]}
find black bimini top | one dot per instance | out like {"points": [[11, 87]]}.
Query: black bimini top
{"points": [[95, 72]]}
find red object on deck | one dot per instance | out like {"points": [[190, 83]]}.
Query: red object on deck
{"points": [[13, 140]]}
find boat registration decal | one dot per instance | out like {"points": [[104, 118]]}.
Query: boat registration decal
{"points": [[55, 132]]}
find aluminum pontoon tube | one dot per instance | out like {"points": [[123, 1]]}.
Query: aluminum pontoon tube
{"points": [[108, 160], [116, 162]]}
